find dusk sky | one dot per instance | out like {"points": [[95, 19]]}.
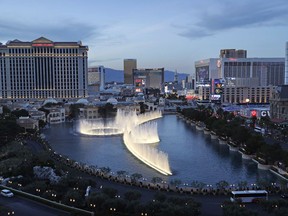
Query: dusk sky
{"points": [[158, 33]]}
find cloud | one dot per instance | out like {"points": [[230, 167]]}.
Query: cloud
{"points": [[61, 31], [243, 14]]}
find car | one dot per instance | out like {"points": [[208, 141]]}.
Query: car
{"points": [[7, 193], [284, 196]]}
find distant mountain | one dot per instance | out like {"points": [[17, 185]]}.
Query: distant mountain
{"points": [[112, 75], [169, 76]]}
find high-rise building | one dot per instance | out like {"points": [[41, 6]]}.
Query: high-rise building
{"points": [[43, 69], [233, 53], [279, 103], [286, 64], [96, 75], [234, 78], [148, 78], [205, 71], [176, 77], [267, 71], [129, 65]]}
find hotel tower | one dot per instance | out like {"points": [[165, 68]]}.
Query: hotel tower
{"points": [[43, 69]]}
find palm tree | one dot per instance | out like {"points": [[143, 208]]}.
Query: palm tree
{"points": [[242, 185], [135, 177], [122, 173], [156, 180], [222, 185], [198, 184], [175, 182]]}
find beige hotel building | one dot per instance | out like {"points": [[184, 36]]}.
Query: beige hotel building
{"points": [[43, 69]]}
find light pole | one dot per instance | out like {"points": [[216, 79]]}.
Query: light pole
{"points": [[247, 101]]}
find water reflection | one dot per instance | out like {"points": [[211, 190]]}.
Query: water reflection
{"points": [[193, 156]]}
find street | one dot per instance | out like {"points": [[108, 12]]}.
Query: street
{"points": [[25, 207]]}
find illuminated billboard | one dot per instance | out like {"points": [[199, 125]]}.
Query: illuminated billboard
{"points": [[202, 74], [216, 90], [217, 86]]}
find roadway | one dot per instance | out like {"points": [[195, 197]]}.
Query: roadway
{"points": [[25, 207]]}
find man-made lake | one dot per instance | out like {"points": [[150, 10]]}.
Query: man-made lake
{"points": [[193, 156]]}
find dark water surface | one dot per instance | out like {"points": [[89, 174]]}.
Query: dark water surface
{"points": [[192, 154]]}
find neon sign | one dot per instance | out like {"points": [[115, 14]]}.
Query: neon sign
{"points": [[42, 45], [254, 113]]}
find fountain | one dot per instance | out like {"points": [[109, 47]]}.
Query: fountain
{"points": [[137, 130], [146, 133], [98, 127]]}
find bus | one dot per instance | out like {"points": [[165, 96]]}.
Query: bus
{"points": [[249, 196]]}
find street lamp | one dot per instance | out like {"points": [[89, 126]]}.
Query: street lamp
{"points": [[209, 186], [92, 205], [113, 209]]}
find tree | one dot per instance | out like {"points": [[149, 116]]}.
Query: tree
{"points": [[44, 110], [6, 110], [74, 110], [142, 107], [114, 207], [74, 198], [97, 200], [220, 112], [253, 119], [122, 173], [236, 210], [107, 110], [175, 182], [9, 129], [253, 144], [242, 185], [105, 170], [222, 184], [36, 187], [132, 195], [281, 212], [198, 184], [136, 176], [42, 123], [156, 180], [110, 192], [160, 196], [20, 113]]}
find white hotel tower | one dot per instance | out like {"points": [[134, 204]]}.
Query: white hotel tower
{"points": [[43, 69]]}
